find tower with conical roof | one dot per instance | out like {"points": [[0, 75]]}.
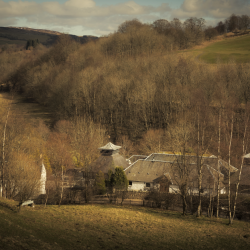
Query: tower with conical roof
{"points": [[110, 158]]}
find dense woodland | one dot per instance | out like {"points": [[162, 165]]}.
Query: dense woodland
{"points": [[131, 87], [133, 82]]}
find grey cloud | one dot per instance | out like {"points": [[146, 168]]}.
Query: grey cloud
{"points": [[85, 13], [70, 8], [211, 8], [18, 9], [11, 21], [106, 19]]}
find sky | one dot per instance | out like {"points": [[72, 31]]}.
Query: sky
{"points": [[100, 17]]}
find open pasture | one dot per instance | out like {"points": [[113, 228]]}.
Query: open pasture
{"points": [[115, 227], [236, 49]]}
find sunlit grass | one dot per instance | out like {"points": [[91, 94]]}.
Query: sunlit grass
{"points": [[224, 51], [116, 227]]}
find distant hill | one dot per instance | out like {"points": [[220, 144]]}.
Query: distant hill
{"points": [[20, 35]]}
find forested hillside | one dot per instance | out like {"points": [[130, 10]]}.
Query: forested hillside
{"points": [[135, 84]]}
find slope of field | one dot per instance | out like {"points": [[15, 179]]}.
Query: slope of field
{"points": [[236, 48], [115, 227]]}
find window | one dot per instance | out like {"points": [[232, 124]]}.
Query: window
{"points": [[148, 185], [130, 183]]}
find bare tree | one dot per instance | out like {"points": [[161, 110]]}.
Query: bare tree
{"points": [[23, 177], [3, 155], [60, 159], [180, 138], [233, 22], [162, 26], [3, 151], [210, 33], [244, 22], [221, 27], [244, 149], [125, 26], [229, 169], [218, 165]]}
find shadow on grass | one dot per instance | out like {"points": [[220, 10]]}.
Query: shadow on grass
{"points": [[93, 227], [175, 215]]}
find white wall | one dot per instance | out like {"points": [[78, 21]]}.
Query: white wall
{"points": [[137, 186], [42, 189], [173, 189]]}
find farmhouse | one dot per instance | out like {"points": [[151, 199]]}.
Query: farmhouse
{"points": [[164, 171]]}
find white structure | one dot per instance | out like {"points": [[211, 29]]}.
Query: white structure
{"points": [[161, 171], [42, 188]]}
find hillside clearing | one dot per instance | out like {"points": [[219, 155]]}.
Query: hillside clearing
{"points": [[22, 107], [116, 227], [236, 48]]}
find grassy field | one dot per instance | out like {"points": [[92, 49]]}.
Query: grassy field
{"points": [[237, 49], [115, 227]]}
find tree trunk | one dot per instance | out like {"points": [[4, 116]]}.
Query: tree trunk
{"points": [[199, 168], [2, 194], [47, 197], [229, 172], [184, 205], [61, 195], [218, 166], [242, 162]]}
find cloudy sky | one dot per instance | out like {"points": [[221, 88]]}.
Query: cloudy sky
{"points": [[101, 17]]}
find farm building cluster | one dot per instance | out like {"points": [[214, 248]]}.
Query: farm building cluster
{"points": [[161, 171]]}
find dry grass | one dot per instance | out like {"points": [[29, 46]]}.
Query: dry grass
{"points": [[23, 108], [114, 227]]}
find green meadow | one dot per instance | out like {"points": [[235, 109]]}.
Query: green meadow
{"points": [[115, 227], [236, 49]]}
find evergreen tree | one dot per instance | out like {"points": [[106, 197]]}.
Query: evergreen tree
{"points": [[120, 179], [32, 43]]}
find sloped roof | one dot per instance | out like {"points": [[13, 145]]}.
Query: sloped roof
{"points": [[176, 157], [217, 176], [134, 158], [245, 176], [110, 146], [211, 161], [106, 162], [151, 171], [146, 171]]}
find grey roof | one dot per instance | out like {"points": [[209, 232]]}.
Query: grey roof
{"points": [[211, 161], [146, 171], [245, 176], [110, 146], [192, 159], [106, 162], [134, 158], [151, 171]]}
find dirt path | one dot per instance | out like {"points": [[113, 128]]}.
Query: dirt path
{"points": [[29, 110]]}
